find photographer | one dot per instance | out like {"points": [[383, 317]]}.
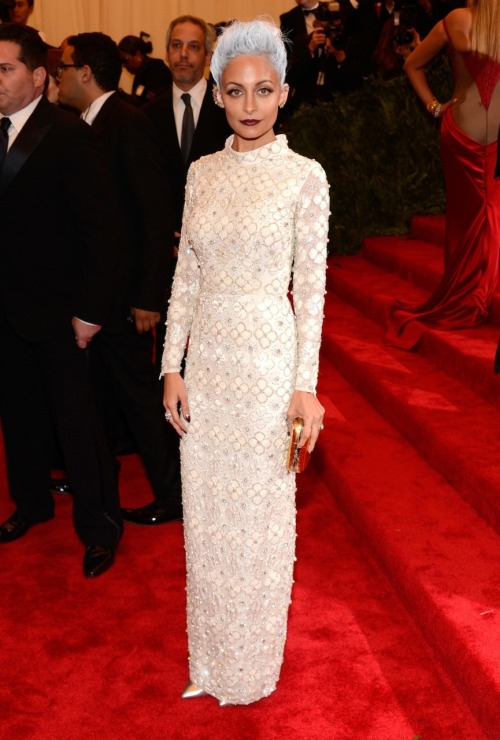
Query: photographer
{"points": [[395, 44], [402, 32], [322, 63]]}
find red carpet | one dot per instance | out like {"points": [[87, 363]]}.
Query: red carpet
{"points": [[406, 478], [419, 476]]}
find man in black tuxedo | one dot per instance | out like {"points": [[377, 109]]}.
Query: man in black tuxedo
{"points": [[126, 378], [189, 43], [188, 53], [298, 24], [59, 227]]}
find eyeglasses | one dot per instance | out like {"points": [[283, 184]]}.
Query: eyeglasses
{"points": [[61, 67]]}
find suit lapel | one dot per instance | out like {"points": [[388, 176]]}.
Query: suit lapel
{"points": [[173, 128], [32, 133]]}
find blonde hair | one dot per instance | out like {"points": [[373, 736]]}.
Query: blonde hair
{"points": [[485, 35]]}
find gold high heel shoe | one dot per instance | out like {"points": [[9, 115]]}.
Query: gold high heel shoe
{"points": [[192, 691]]}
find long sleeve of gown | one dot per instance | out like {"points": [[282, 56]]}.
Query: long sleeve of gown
{"points": [[185, 289], [309, 274]]}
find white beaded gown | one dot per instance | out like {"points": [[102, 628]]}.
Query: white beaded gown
{"points": [[252, 221]]}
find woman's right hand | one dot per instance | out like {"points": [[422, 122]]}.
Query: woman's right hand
{"points": [[175, 398], [445, 106]]}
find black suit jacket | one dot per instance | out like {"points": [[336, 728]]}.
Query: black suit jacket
{"points": [[58, 226], [293, 25], [210, 135], [137, 166]]}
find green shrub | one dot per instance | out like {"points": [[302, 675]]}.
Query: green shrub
{"points": [[380, 150]]}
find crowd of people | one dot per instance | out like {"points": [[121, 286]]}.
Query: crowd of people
{"points": [[335, 46], [182, 194], [142, 195]]}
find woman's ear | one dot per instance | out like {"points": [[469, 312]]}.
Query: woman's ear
{"points": [[284, 94], [217, 97]]}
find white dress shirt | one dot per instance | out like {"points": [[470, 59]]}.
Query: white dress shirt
{"points": [[18, 119], [90, 114]]}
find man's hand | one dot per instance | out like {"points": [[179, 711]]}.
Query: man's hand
{"points": [[144, 320], [84, 332], [317, 39]]}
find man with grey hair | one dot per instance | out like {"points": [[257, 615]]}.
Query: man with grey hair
{"points": [[189, 46]]}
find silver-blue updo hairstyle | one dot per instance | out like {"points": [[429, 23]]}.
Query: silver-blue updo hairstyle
{"points": [[249, 38]]}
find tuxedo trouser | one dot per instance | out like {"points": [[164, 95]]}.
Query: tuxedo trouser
{"points": [[126, 377], [43, 385]]}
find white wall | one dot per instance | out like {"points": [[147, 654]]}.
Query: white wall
{"points": [[118, 18]]}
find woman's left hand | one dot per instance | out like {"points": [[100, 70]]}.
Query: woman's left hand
{"points": [[307, 406]]}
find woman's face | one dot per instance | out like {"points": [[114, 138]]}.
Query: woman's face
{"points": [[132, 62], [251, 94], [21, 12]]}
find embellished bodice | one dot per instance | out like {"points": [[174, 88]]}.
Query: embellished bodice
{"points": [[251, 220], [246, 203]]}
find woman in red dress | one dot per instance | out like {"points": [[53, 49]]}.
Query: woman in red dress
{"points": [[469, 151]]}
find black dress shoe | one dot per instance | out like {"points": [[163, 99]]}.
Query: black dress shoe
{"points": [[97, 560], [16, 527], [61, 485], [152, 513]]}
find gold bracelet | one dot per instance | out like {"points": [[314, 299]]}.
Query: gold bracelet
{"points": [[434, 107]]}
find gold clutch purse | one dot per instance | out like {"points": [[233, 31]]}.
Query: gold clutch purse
{"points": [[297, 457]]}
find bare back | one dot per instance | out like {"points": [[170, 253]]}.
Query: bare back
{"points": [[477, 78]]}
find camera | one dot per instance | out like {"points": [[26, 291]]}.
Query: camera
{"points": [[328, 18], [404, 25]]}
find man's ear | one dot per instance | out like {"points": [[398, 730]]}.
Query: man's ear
{"points": [[86, 75], [39, 76]]}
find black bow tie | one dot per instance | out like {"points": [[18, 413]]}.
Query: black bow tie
{"points": [[308, 11]]}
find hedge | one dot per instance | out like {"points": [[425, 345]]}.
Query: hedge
{"points": [[380, 149]]}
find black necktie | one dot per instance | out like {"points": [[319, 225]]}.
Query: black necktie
{"points": [[187, 127], [4, 139]]}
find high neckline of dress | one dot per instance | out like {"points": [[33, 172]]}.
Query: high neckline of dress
{"points": [[274, 149]]}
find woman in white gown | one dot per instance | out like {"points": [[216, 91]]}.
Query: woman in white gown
{"points": [[256, 215]]}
